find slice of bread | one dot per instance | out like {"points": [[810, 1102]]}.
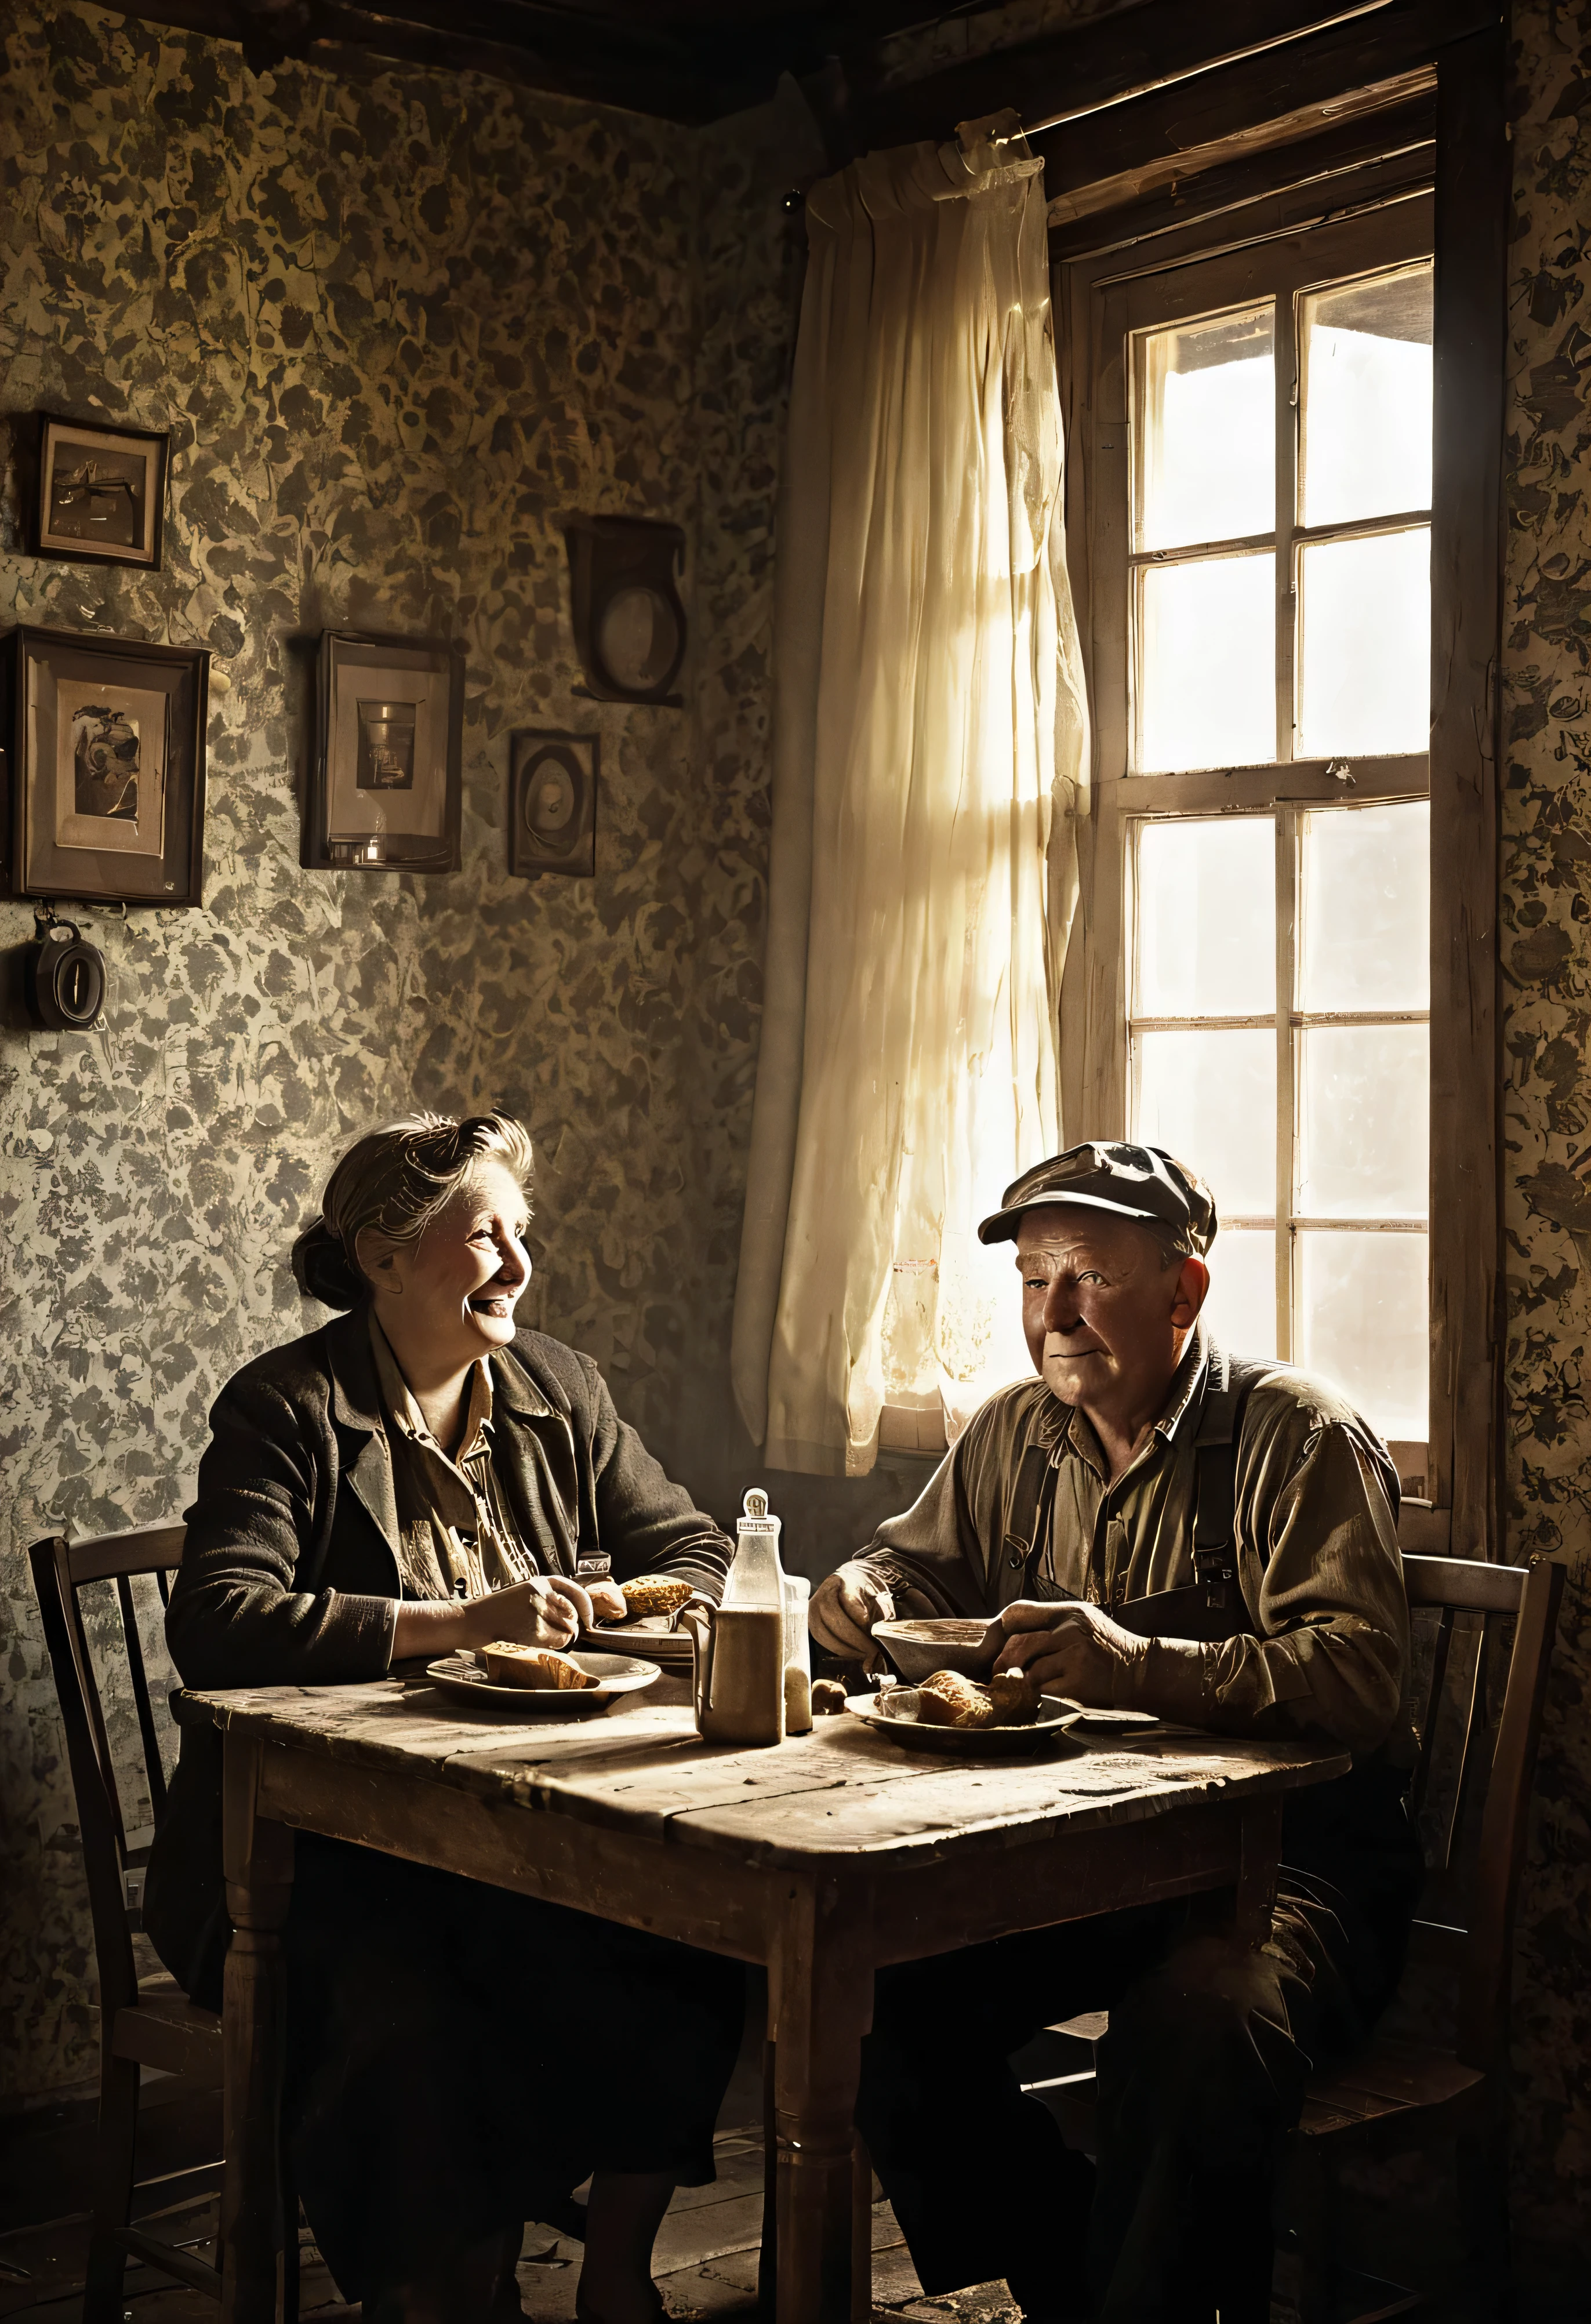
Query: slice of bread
{"points": [[654, 1593], [508, 1664]]}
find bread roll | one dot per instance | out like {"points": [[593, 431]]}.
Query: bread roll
{"points": [[653, 1593], [828, 1696], [949, 1699], [508, 1664]]}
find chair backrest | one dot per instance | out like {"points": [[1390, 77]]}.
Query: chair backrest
{"points": [[1501, 1758], [61, 1570]]}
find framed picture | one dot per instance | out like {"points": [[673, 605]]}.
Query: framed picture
{"points": [[388, 755], [102, 493], [104, 750], [552, 803]]}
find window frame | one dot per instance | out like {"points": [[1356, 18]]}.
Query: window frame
{"points": [[1455, 151], [1129, 302]]}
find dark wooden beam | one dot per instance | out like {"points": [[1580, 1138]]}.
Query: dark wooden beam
{"points": [[1282, 82], [1105, 62], [681, 63], [1243, 192], [540, 48], [1193, 175], [1471, 210]]}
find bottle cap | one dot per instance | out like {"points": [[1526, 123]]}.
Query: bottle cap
{"points": [[755, 1518]]}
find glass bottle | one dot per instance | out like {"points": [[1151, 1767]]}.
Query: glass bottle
{"points": [[755, 1576]]}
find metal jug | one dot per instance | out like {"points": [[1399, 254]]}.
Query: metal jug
{"points": [[739, 1655]]}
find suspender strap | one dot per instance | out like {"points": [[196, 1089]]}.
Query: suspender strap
{"points": [[1027, 1517], [1215, 1483]]}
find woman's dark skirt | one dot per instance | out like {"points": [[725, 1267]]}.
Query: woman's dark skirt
{"points": [[460, 2059]]}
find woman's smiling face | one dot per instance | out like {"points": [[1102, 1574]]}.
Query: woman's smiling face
{"points": [[455, 1291]]}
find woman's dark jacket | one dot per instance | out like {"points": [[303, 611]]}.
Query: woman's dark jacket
{"points": [[289, 1574]]}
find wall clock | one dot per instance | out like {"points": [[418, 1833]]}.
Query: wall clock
{"points": [[629, 621]]}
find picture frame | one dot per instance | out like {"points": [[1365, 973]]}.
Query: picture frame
{"points": [[552, 802], [100, 495], [104, 767], [387, 785]]}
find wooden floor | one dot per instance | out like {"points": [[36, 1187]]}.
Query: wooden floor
{"points": [[706, 2263]]}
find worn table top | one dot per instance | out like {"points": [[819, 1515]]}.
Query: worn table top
{"points": [[840, 1791]]}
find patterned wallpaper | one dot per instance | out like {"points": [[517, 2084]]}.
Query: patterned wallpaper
{"points": [[1546, 957], [397, 321]]}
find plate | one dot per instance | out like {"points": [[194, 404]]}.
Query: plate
{"points": [[894, 1713], [672, 1648], [461, 1677]]}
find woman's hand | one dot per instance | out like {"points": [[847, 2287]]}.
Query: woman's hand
{"points": [[546, 1612], [607, 1601]]}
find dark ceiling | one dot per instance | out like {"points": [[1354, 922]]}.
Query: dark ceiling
{"points": [[685, 60]]}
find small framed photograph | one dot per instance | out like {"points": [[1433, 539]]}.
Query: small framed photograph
{"points": [[389, 755], [102, 493], [552, 803], [104, 747]]}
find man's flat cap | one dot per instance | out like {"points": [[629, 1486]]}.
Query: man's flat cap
{"points": [[1136, 1182]]}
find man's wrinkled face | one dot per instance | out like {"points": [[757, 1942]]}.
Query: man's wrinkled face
{"points": [[1106, 1322]]}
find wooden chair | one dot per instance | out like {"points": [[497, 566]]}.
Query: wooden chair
{"points": [[144, 2022], [1400, 2095]]}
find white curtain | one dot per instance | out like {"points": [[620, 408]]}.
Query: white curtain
{"points": [[929, 757]]}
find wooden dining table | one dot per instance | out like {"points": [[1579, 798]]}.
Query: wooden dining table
{"points": [[823, 1858]]}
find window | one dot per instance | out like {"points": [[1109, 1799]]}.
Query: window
{"points": [[1341, 1164], [1255, 980], [1230, 670]]}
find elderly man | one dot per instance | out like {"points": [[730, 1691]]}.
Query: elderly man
{"points": [[1167, 1529]]}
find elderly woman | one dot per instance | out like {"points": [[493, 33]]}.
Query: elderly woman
{"points": [[418, 1477]]}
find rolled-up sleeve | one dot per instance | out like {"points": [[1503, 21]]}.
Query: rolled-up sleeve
{"points": [[934, 1558], [236, 1618]]}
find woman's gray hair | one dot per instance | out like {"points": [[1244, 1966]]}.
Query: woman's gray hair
{"points": [[396, 1180]]}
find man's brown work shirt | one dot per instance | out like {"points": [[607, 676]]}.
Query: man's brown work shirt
{"points": [[1326, 1649]]}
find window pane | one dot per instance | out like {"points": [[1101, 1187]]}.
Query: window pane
{"points": [[1364, 1121], [1364, 908], [1207, 918], [1363, 1323], [1208, 664], [1241, 1308], [1365, 611], [1207, 445], [1211, 1099], [1366, 398]]}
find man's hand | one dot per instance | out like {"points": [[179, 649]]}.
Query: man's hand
{"points": [[844, 1608], [1073, 1649]]}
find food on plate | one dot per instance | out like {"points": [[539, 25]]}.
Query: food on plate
{"points": [[653, 1593], [828, 1696], [508, 1664], [1014, 1699], [950, 1700]]}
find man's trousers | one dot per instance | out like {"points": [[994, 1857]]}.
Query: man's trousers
{"points": [[1204, 2066]]}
